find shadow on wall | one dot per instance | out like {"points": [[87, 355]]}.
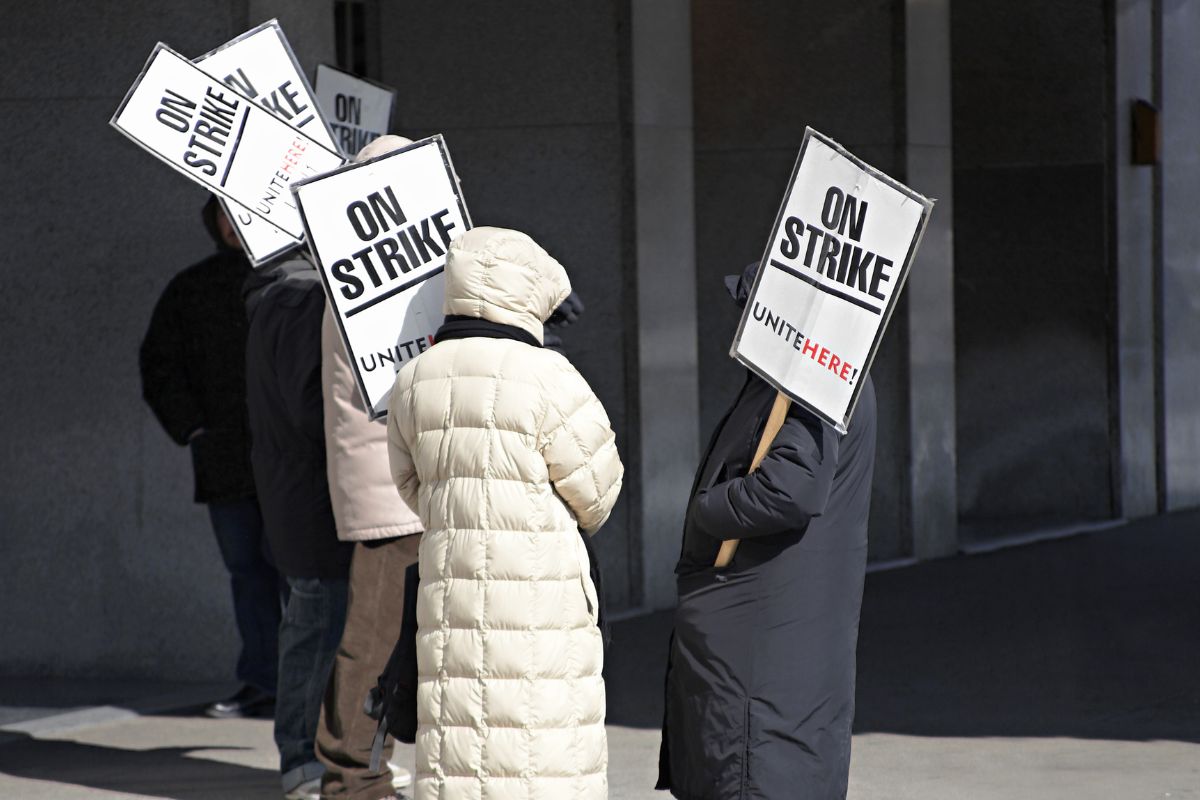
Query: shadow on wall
{"points": [[1092, 637], [1028, 447]]}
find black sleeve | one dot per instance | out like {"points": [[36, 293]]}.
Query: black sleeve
{"points": [[789, 488], [298, 365], [166, 383]]}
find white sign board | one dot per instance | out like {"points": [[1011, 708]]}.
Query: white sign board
{"points": [[358, 110], [838, 256], [261, 65], [379, 232], [221, 139]]}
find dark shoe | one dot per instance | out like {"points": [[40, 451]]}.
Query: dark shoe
{"points": [[248, 702]]}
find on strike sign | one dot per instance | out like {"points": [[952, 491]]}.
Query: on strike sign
{"points": [[261, 65], [220, 138], [359, 110], [379, 231], [839, 253]]}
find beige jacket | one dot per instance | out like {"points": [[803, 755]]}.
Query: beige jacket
{"points": [[365, 503], [506, 453]]}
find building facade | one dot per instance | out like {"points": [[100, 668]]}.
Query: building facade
{"points": [[1037, 376]]}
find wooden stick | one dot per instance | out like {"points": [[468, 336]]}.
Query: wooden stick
{"points": [[774, 424]]}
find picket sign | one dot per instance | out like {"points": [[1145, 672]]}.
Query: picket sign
{"points": [[220, 138], [379, 231], [357, 110], [832, 272], [262, 65]]}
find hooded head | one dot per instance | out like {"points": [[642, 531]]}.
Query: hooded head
{"points": [[214, 219], [381, 145], [739, 286], [505, 277]]}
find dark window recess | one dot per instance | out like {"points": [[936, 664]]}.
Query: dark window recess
{"points": [[350, 29]]}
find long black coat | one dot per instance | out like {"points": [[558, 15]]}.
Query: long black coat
{"points": [[193, 372], [760, 686], [283, 392]]}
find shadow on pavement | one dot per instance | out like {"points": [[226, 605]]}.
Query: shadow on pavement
{"points": [[160, 772], [24, 699], [1096, 636]]}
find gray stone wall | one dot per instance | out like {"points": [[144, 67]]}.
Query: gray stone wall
{"points": [[533, 99], [762, 72], [1135, 229], [1180, 284], [1032, 275], [108, 567]]}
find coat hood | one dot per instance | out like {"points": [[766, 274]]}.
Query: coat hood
{"points": [[382, 145], [209, 216], [503, 276], [739, 286]]}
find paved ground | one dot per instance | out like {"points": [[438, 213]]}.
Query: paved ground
{"points": [[1056, 671]]}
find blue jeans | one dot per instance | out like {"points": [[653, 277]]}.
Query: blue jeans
{"points": [[257, 589], [308, 640]]}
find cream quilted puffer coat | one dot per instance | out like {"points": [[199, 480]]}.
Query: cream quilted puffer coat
{"points": [[505, 452]]}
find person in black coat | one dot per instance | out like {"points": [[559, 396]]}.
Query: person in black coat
{"points": [[760, 682], [193, 378], [285, 304]]}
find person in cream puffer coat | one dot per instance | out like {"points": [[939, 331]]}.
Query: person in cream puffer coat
{"points": [[506, 454]]}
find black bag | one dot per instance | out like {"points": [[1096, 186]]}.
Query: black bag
{"points": [[393, 701], [598, 582]]}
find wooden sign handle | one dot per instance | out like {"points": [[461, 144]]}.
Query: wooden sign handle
{"points": [[774, 424]]}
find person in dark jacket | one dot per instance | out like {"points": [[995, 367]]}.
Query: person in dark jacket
{"points": [[192, 363], [285, 305], [760, 682]]}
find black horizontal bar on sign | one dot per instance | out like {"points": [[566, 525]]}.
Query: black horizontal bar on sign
{"points": [[395, 291], [825, 288]]}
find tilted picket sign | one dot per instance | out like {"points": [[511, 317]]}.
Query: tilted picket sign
{"points": [[220, 138], [261, 64], [357, 110]]}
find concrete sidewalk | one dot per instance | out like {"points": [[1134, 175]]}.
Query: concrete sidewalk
{"points": [[1061, 670]]}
